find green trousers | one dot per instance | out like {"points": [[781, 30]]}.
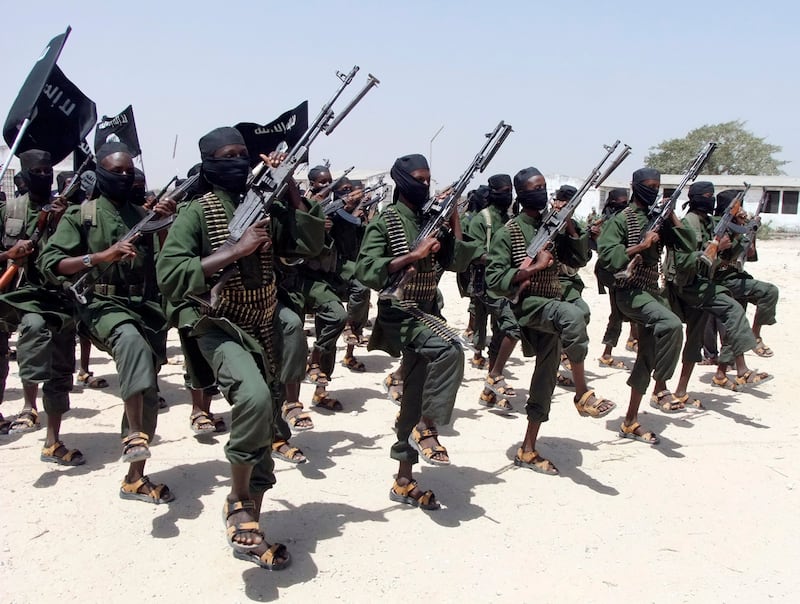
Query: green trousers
{"points": [[46, 356], [242, 381], [357, 305], [136, 366], [614, 325], [432, 372], [291, 347], [660, 336]]}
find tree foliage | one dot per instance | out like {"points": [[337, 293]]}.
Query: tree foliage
{"points": [[739, 152]]}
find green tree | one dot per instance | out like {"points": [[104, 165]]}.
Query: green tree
{"points": [[739, 152]]}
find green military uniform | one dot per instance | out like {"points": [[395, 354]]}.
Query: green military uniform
{"points": [[433, 365], [316, 287], [46, 338], [481, 229], [745, 289], [545, 320], [123, 316], [638, 298], [692, 293], [572, 285], [237, 338], [347, 238]]}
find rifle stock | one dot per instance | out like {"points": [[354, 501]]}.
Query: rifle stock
{"points": [[709, 255]]}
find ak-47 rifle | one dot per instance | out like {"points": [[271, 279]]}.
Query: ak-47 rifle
{"points": [[750, 231], [43, 222], [150, 223], [437, 211], [725, 224], [661, 210], [269, 184], [368, 199], [556, 219]]}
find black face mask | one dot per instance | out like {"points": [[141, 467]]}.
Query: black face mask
{"points": [[413, 191], [533, 200], [39, 185], [117, 187], [137, 196], [702, 203], [228, 173], [501, 199], [647, 195]]}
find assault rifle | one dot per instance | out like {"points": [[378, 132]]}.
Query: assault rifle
{"points": [[369, 200], [661, 210], [436, 212], [750, 231], [331, 186], [556, 219], [150, 223], [268, 184], [42, 224], [726, 223]]}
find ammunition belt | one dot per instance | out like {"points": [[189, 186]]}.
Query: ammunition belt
{"points": [[545, 284], [251, 309], [643, 277], [422, 286], [436, 324]]}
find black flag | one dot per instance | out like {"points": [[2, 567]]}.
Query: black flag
{"points": [[34, 84], [81, 153], [120, 128], [289, 127]]}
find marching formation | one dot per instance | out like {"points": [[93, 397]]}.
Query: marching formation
{"points": [[237, 255]]}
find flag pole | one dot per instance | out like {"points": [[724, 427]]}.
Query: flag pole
{"points": [[13, 150]]}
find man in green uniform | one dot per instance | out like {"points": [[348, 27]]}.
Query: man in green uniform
{"points": [[236, 336], [637, 296], [694, 296], [409, 323], [505, 330], [123, 316], [616, 201], [545, 320], [46, 340], [471, 282], [741, 284]]}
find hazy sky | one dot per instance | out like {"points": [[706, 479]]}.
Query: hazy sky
{"points": [[569, 76]]}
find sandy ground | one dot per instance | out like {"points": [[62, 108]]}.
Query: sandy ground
{"points": [[709, 515]]}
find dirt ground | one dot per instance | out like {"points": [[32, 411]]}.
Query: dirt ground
{"points": [[709, 515]]}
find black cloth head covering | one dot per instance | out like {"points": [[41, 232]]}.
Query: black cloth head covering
{"points": [[111, 148], [724, 199], [357, 184], [218, 138], [344, 182], [617, 194], [498, 181], [412, 190], [34, 158], [195, 169], [565, 192], [643, 174], [523, 176], [317, 171], [701, 187], [138, 175], [480, 198]]}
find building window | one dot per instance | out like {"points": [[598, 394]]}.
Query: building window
{"points": [[773, 202], [789, 202]]}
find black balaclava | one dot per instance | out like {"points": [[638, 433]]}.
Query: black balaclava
{"points": [[647, 195], [228, 173], [529, 200], [138, 190], [344, 187], [480, 198], [62, 180], [565, 192], [413, 191], [38, 184], [498, 198], [724, 199], [698, 199], [117, 187], [616, 201]]}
